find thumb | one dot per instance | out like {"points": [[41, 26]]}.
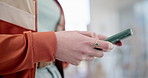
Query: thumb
{"points": [[89, 34], [86, 33], [92, 35]]}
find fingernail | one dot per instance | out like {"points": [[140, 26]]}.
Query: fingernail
{"points": [[111, 46]]}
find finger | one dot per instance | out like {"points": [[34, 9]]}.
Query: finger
{"points": [[98, 53], [104, 45], [46, 63], [43, 64], [37, 65], [86, 58], [102, 37], [40, 65], [94, 35], [86, 33], [76, 62], [119, 43], [94, 53], [90, 58]]}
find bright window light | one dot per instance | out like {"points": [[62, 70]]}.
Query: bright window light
{"points": [[77, 14]]}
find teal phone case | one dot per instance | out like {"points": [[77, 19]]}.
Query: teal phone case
{"points": [[120, 36]]}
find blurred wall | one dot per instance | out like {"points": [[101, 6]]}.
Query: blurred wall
{"points": [[104, 20], [104, 17], [109, 17]]}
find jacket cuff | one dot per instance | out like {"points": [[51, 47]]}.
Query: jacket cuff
{"points": [[44, 46]]}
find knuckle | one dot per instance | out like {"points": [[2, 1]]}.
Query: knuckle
{"points": [[91, 53], [92, 34], [86, 42], [85, 51]]}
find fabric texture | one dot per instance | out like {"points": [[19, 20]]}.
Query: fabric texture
{"points": [[22, 56], [48, 18], [25, 5], [21, 48], [48, 15], [16, 16], [50, 71]]}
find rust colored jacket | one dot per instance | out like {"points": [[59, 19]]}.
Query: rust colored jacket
{"points": [[21, 46]]}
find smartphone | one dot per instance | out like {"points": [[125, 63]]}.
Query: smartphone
{"points": [[119, 36]]}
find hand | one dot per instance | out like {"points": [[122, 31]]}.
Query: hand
{"points": [[43, 64], [74, 46]]}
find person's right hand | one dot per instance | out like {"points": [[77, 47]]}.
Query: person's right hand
{"points": [[74, 47]]}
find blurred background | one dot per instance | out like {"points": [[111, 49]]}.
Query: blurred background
{"points": [[108, 17]]}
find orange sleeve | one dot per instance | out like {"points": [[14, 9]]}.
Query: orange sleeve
{"points": [[21, 51]]}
